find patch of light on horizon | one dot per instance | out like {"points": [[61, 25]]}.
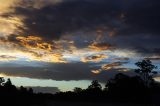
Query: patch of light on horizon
{"points": [[62, 85]]}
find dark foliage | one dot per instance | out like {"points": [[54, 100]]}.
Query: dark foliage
{"points": [[120, 89], [146, 71], [10, 95]]}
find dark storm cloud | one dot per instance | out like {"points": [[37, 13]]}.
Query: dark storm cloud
{"points": [[134, 24], [68, 16], [141, 27], [144, 44], [71, 71], [74, 15], [143, 17]]}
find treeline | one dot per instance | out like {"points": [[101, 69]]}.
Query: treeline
{"points": [[121, 89], [141, 89]]}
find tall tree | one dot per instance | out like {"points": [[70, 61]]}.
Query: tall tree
{"points": [[95, 85], [145, 70]]}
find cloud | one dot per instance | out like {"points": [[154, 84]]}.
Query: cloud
{"points": [[94, 58], [152, 58], [60, 72], [140, 20], [96, 71], [126, 58], [13, 24], [38, 5], [54, 19], [7, 58], [32, 48], [34, 42], [157, 78], [6, 5], [116, 22], [112, 65], [72, 71], [60, 17], [115, 66], [100, 46], [10, 25]]}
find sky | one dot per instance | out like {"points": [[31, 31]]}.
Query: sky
{"points": [[62, 44]]}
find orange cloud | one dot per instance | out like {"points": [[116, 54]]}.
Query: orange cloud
{"points": [[31, 48], [100, 46], [34, 42], [55, 58], [112, 65], [94, 58], [96, 71], [157, 78]]}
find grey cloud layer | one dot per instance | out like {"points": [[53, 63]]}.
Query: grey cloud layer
{"points": [[72, 71]]}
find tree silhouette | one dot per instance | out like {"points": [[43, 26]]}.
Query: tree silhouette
{"points": [[126, 88], [146, 71], [23, 89], [95, 85], [77, 89], [8, 82], [30, 90], [1, 81]]}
